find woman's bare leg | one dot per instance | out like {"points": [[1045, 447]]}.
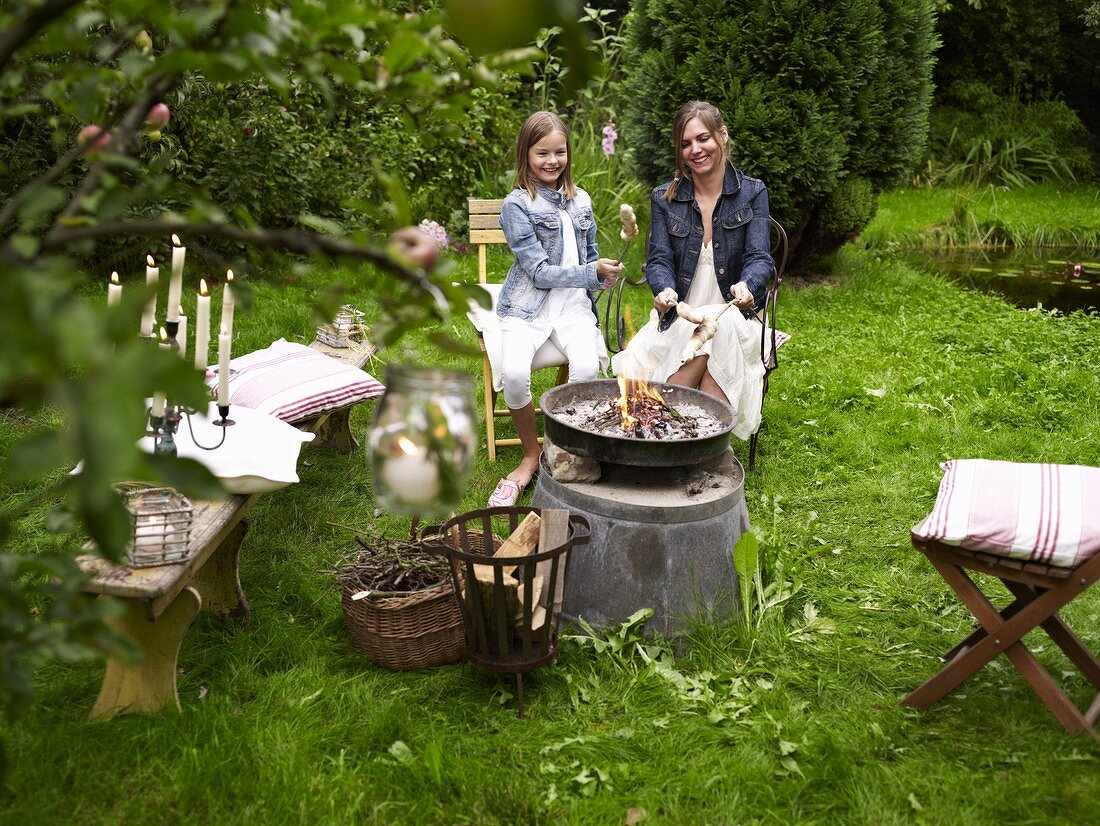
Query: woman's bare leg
{"points": [[709, 386], [690, 373], [524, 420]]}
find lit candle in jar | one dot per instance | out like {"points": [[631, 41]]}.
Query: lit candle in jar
{"points": [[223, 368], [175, 284], [202, 327], [152, 275], [181, 333], [114, 291], [411, 475], [227, 303]]}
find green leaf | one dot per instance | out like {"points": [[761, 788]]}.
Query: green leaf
{"points": [[33, 457], [187, 475], [406, 48]]}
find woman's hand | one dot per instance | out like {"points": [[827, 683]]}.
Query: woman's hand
{"points": [[741, 296], [664, 299], [607, 270]]}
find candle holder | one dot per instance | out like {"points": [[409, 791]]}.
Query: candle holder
{"points": [[162, 524], [162, 429], [422, 441], [346, 328], [224, 423]]}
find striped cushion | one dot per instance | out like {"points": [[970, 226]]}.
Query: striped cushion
{"points": [[293, 382], [1038, 513]]}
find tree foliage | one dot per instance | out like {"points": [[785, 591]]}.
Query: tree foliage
{"points": [[813, 96], [67, 64]]}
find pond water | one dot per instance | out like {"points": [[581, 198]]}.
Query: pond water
{"points": [[1063, 279]]}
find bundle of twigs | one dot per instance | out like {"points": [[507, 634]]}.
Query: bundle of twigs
{"points": [[388, 567], [653, 419]]}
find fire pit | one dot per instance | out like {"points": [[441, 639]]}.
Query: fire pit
{"points": [[639, 424]]}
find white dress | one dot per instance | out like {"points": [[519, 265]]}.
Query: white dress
{"points": [[734, 351]]}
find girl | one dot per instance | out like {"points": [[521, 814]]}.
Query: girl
{"points": [[709, 246], [550, 289]]}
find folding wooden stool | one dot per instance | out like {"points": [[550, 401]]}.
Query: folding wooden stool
{"points": [[1040, 589]]}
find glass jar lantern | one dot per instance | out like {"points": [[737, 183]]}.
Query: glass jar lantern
{"points": [[422, 442]]}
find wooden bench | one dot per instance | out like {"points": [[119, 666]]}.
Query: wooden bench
{"points": [[161, 602]]}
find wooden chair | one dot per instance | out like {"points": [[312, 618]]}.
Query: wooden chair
{"points": [[484, 215], [1040, 591]]}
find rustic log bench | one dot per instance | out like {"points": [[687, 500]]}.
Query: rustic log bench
{"points": [[161, 602]]}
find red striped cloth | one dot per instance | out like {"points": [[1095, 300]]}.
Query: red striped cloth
{"points": [[293, 382], [1034, 512]]}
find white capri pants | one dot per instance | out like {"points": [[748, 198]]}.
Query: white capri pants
{"points": [[575, 335]]}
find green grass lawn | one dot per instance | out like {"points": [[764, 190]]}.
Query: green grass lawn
{"points": [[890, 372]]}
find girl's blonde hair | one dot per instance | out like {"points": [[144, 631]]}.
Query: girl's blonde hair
{"points": [[712, 119], [534, 129]]}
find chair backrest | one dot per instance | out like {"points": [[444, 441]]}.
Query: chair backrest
{"points": [[771, 297], [484, 215]]}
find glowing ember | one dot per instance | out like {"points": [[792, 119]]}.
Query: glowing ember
{"points": [[638, 397], [639, 412]]}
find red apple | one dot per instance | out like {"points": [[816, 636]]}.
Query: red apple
{"points": [[413, 248], [157, 117], [93, 138]]}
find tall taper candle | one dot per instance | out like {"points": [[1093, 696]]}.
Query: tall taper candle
{"points": [[148, 316], [175, 285], [181, 334], [202, 327], [114, 291], [223, 368], [227, 303]]}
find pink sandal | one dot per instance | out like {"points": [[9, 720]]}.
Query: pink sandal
{"points": [[506, 494]]}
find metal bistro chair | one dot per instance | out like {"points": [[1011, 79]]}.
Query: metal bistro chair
{"points": [[771, 339]]}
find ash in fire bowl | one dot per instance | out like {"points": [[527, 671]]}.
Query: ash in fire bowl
{"points": [[651, 425], [646, 418]]}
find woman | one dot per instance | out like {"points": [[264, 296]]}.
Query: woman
{"points": [[709, 245]]}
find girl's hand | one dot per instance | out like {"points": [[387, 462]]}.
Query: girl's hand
{"points": [[608, 270], [741, 296], [664, 299]]}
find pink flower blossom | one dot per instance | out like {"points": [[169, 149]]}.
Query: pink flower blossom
{"points": [[436, 232], [609, 138]]}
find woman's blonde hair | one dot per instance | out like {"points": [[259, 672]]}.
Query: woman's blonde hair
{"points": [[534, 129], [712, 119]]}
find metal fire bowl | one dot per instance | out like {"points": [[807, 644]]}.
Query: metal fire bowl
{"points": [[623, 450]]}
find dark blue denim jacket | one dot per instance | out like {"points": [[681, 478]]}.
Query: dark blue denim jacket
{"points": [[740, 238]]}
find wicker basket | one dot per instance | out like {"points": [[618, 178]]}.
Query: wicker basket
{"points": [[417, 630], [420, 630]]}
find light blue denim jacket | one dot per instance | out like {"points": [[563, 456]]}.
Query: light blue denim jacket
{"points": [[532, 227]]}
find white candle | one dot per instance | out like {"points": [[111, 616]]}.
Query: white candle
{"points": [[202, 327], [148, 316], [181, 333], [159, 399], [223, 368], [175, 285], [114, 291], [411, 475], [227, 303]]}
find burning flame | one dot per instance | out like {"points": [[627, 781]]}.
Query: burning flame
{"points": [[631, 392], [408, 446]]}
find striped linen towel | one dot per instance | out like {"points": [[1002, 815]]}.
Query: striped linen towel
{"points": [[1033, 512], [293, 382]]}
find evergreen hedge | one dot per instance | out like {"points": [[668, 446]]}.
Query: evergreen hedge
{"points": [[825, 102]]}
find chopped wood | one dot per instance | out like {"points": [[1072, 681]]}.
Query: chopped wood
{"points": [[524, 539]]}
